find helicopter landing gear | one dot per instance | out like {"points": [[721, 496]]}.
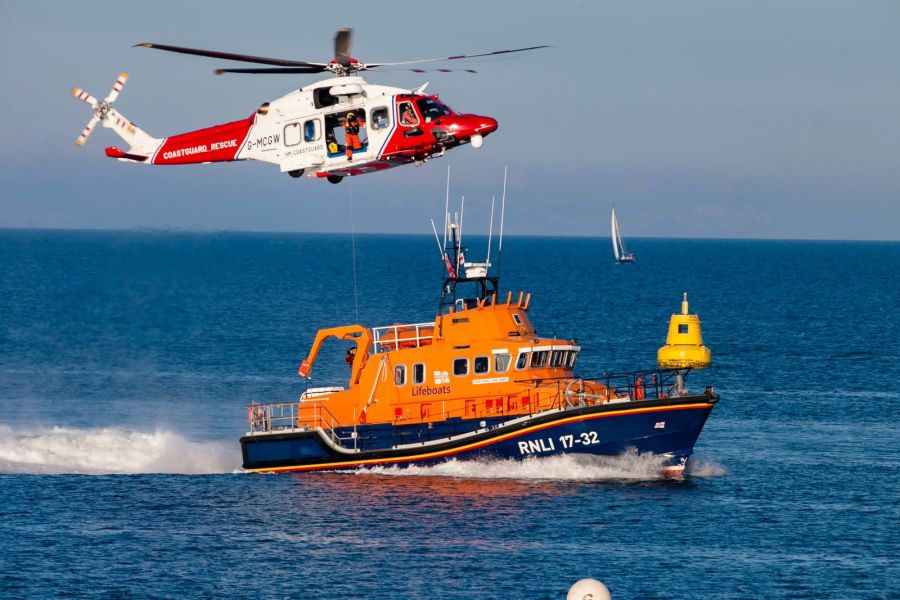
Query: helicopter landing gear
{"points": [[335, 178], [296, 174]]}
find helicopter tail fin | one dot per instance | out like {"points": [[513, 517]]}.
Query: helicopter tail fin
{"points": [[141, 145]]}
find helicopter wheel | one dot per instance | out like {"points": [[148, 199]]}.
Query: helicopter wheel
{"points": [[296, 174], [335, 178]]}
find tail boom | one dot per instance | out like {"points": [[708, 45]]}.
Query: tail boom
{"points": [[219, 143]]}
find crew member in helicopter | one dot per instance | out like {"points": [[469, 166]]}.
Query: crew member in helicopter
{"points": [[351, 133], [407, 116]]}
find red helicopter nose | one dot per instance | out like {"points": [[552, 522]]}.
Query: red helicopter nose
{"points": [[466, 126], [486, 125]]}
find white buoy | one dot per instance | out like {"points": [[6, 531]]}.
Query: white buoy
{"points": [[588, 589]]}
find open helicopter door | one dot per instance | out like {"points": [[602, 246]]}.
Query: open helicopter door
{"points": [[304, 145]]}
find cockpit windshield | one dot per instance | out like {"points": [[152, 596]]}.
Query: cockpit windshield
{"points": [[431, 109]]}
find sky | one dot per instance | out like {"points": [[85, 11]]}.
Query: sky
{"points": [[739, 119]]}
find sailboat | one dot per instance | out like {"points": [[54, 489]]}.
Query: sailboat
{"points": [[622, 255]]}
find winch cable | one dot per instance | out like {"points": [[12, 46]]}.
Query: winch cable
{"points": [[353, 246]]}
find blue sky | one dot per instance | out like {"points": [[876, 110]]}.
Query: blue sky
{"points": [[696, 119]]}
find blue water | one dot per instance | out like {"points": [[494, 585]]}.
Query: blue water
{"points": [[126, 361]]}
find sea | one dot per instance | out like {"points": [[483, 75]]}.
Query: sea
{"points": [[127, 360]]}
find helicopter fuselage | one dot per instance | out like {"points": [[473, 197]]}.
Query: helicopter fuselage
{"points": [[333, 128]]}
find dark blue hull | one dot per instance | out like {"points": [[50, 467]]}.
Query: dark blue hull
{"points": [[668, 427]]}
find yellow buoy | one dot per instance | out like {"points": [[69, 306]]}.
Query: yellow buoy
{"points": [[684, 344]]}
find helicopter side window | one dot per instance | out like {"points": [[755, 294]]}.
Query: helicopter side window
{"points": [[431, 109], [380, 118], [408, 115], [310, 131], [292, 134]]}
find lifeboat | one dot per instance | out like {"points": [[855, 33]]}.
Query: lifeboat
{"points": [[684, 343], [475, 382]]}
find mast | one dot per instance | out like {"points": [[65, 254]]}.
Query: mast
{"points": [[614, 228]]}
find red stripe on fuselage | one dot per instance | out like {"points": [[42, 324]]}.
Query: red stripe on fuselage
{"points": [[214, 144]]}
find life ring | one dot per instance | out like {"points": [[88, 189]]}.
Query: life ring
{"points": [[522, 330], [572, 397]]}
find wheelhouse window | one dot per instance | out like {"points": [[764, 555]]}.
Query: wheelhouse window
{"points": [[481, 364], [311, 131], [573, 354], [418, 373], [501, 362], [381, 118], [408, 114], [292, 134], [461, 367], [539, 359], [400, 375], [431, 109], [682, 328], [558, 358], [522, 361], [517, 319]]}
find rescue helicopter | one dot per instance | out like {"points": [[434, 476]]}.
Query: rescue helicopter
{"points": [[335, 128]]}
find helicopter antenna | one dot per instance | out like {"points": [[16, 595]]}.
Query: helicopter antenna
{"points": [[502, 216], [490, 231]]}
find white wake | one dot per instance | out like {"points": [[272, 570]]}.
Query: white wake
{"points": [[630, 466], [111, 450]]}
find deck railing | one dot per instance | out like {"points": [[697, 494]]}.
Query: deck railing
{"points": [[401, 335], [293, 416]]}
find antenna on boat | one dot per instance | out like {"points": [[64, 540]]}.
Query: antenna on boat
{"points": [[446, 208], [462, 212], [502, 215], [490, 232]]}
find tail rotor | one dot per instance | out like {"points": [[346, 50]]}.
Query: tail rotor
{"points": [[102, 108]]}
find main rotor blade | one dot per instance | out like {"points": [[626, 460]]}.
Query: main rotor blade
{"points": [[343, 41], [274, 70], [417, 70], [458, 57], [117, 87], [87, 131], [228, 55]]}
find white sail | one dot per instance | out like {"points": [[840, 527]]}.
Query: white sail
{"points": [[614, 226]]}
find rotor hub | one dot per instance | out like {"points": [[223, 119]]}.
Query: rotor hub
{"points": [[102, 110]]}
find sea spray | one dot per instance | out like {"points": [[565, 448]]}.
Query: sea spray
{"points": [[111, 450], [568, 467]]}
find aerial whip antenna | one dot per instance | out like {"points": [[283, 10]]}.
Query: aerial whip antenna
{"points": [[490, 231], [502, 215], [446, 207]]}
